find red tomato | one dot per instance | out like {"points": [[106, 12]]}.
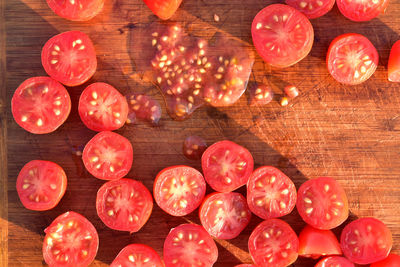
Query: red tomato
{"points": [[282, 35], [322, 203], [392, 260], [189, 245], [334, 261], [40, 105], [226, 166], [315, 243], [41, 185], [124, 204], [312, 8], [137, 255], [164, 9], [108, 156], [361, 10], [179, 190], [224, 215], [351, 59], [70, 241], [270, 193], [77, 10], [102, 107], [394, 63], [69, 58], [273, 243], [366, 240]]}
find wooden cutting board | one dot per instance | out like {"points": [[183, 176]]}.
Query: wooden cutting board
{"points": [[351, 133]]}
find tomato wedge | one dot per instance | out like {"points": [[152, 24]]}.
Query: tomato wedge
{"points": [[270, 193], [273, 243], [164, 9], [179, 190], [361, 10], [351, 59], [124, 204], [40, 105], [334, 261], [322, 203], [71, 241], [392, 260], [102, 107], [394, 63], [41, 185], [76, 10], [108, 156], [69, 58], [137, 255], [282, 35], [366, 240], [312, 8], [224, 215], [189, 245], [226, 166]]}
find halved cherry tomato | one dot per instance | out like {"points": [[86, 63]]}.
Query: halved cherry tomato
{"points": [[322, 203], [351, 59], [164, 9], [226, 166], [40, 105], [282, 35], [189, 245], [270, 193], [77, 10], [315, 243], [108, 156], [137, 255], [179, 190], [69, 58], [392, 260], [224, 215], [361, 10], [366, 240], [71, 241], [394, 63], [102, 107], [124, 204], [312, 8], [273, 243], [41, 185], [334, 261]]}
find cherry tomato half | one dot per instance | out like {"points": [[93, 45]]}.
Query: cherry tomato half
{"points": [[137, 255], [392, 260], [334, 261], [77, 10], [361, 10], [312, 8], [164, 9], [394, 63]]}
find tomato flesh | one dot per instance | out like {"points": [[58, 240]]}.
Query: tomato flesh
{"points": [[312, 8], [137, 255], [358, 10], [394, 63], [392, 260], [270, 193], [164, 9], [334, 261], [144, 108], [366, 240], [69, 58], [260, 94], [71, 240], [224, 215], [179, 190], [189, 245], [194, 147], [76, 10], [124, 204], [40, 105]]}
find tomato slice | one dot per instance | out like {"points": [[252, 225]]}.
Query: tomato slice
{"points": [[357, 10], [124, 204], [366, 240], [312, 8], [108, 156], [76, 10], [137, 255], [179, 190], [189, 245], [392, 260], [40, 105], [260, 94], [102, 107], [351, 59], [144, 108], [315, 243], [224, 215], [394, 63], [41, 185], [270, 193], [226, 166], [273, 243], [164, 9], [194, 147], [282, 35], [69, 58], [71, 241], [334, 261], [322, 203], [245, 265]]}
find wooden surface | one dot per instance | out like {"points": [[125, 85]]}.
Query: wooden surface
{"points": [[351, 133]]}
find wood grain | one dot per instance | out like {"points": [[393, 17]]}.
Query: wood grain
{"points": [[349, 133]]}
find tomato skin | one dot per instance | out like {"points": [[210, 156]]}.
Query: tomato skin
{"points": [[334, 261], [363, 235], [315, 243], [137, 255], [394, 63], [361, 11], [164, 9], [392, 260], [319, 8], [68, 10], [24, 100]]}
